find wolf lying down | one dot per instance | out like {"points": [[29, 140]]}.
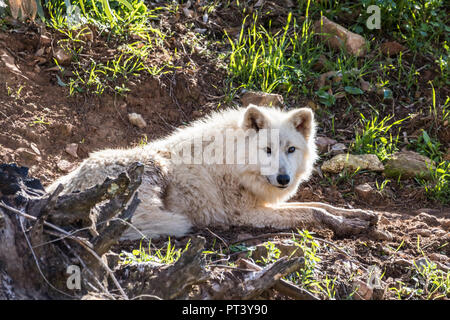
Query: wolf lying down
{"points": [[205, 188]]}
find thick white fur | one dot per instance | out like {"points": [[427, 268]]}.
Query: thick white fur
{"points": [[177, 196]]}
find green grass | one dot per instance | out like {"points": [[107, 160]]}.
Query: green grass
{"points": [[310, 277], [426, 282], [428, 146], [376, 137], [271, 61], [124, 25], [167, 255], [431, 282], [439, 188]]}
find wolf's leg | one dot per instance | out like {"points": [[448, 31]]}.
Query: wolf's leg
{"points": [[367, 215], [151, 219], [284, 217]]}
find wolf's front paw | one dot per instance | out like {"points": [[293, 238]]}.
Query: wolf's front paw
{"points": [[365, 215], [351, 226], [343, 226]]}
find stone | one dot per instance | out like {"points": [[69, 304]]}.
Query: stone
{"points": [[337, 37], [438, 257], [368, 194], [261, 99], [329, 78], [408, 164], [323, 144], [26, 157], [353, 162], [364, 85], [72, 149], [137, 120], [422, 232], [65, 165], [446, 224], [63, 57], [362, 290], [430, 220], [338, 148]]}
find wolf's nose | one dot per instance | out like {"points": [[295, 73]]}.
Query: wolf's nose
{"points": [[283, 179]]}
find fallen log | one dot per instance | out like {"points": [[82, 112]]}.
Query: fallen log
{"points": [[45, 237], [56, 247]]}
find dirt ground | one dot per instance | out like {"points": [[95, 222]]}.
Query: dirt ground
{"points": [[38, 119]]}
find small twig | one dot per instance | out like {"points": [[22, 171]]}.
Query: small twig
{"points": [[172, 95], [218, 237], [165, 122], [118, 112]]}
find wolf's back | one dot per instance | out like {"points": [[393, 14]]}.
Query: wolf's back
{"points": [[101, 165]]}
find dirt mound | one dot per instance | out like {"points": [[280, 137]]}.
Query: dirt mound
{"points": [[39, 118]]}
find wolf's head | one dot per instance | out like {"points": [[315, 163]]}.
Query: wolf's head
{"points": [[286, 149]]}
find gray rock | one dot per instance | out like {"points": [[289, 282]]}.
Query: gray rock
{"points": [[408, 164], [353, 162], [26, 157], [65, 165], [63, 57], [338, 148], [366, 193], [430, 220], [137, 120], [72, 149], [323, 143], [363, 291]]}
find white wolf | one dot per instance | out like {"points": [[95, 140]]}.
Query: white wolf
{"points": [[210, 191]]}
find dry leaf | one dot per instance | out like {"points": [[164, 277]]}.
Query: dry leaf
{"points": [[8, 60], [15, 6], [391, 48], [27, 8]]}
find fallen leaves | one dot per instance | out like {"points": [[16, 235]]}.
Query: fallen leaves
{"points": [[23, 8], [391, 48]]}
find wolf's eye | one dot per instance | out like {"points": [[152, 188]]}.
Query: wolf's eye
{"points": [[268, 150], [291, 149]]}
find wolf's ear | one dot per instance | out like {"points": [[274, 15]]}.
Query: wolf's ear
{"points": [[303, 121], [254, 119]]}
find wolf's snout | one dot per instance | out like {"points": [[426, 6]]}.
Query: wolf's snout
{"points": [[283, 179]]}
